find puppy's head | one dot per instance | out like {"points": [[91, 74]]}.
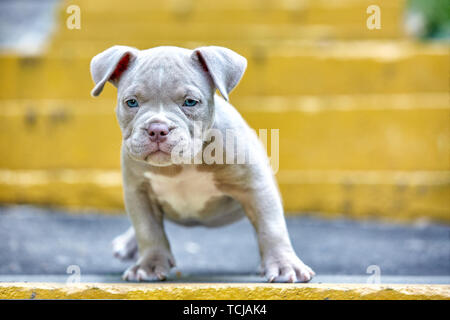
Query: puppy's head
{"points": [[165, 100]]}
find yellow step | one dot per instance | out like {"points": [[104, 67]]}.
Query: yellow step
{"points": [[248, 20], [338, 17], [134, 6], [366, 156], [391, 195], [311, 69], [368, 132], [203, 32], [224, 291], [368, 118]]}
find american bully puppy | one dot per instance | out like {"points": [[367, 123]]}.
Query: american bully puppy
{"points": [[169, 115]]}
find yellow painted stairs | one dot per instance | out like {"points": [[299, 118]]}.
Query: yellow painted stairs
{"points": [[364, 115]]}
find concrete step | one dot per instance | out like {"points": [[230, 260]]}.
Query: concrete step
{"points": [[44, 241], [363, 279], [334, 68], [220, 263], [226, 291]]}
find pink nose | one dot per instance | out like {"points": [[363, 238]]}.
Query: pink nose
{"points": [[158, 131]]}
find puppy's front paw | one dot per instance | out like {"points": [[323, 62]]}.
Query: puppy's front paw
{"points": [[286, 268], [150, 267]]}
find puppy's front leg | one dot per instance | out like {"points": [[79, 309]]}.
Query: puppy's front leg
{"points": [[155, 258], [278, 259]]}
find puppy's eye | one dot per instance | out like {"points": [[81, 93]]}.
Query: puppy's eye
{"points": [[132, 103], [190, 103]]}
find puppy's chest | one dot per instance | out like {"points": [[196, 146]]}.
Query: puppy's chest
{"points": [[187, 193]]}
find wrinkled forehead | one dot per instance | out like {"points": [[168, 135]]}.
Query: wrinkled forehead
{"points": [[164, 69]]}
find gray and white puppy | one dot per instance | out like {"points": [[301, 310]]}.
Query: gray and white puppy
{"points": [[163, 93]]}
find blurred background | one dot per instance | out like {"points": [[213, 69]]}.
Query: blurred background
{"points": [[363, 112]]}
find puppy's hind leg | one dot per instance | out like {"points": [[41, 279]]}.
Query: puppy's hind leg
{"points": [[125, 245]]}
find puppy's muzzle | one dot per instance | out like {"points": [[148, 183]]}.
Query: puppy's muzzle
{"points": [[158, 131]]}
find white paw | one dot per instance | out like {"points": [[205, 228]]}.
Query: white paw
{"points": [[286, 268], [125, 247], [155, 266]]}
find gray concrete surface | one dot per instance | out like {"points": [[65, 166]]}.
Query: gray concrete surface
{"points": [[39, 244]]}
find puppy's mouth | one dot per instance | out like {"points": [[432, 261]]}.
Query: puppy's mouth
{"points": [[142, 148], [158, 151], [158, 157]]}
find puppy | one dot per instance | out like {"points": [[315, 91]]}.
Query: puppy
{"points": [[170, 116]]}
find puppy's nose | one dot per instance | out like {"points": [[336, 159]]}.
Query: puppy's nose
{"points": [[158, 131]]}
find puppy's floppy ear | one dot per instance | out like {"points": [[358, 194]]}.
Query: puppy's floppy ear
{"points": [[109, 66], [225, 67]]}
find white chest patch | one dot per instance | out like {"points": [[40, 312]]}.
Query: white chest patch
{"points": [[187, 192]]}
